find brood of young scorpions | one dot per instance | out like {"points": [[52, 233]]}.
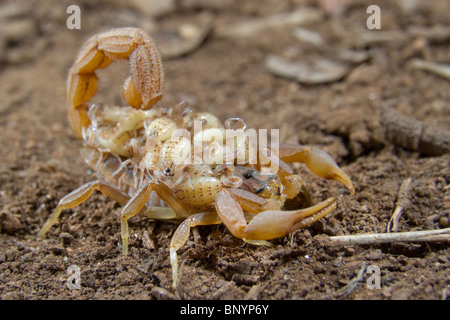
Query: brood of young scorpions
{"points": [[147, 157]]}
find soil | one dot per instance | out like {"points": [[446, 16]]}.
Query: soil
{"points": [[226, 75]]}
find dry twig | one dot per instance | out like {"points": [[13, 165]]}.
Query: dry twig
{"points": [[402, 204], [249, 28], [376, 238], [439, 69], [350, 286]]}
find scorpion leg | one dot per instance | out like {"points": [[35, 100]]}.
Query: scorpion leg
{"points": [[159, 213], [250, 202], [132, 208], [295, 185], [182, 233], [168, 196], [267, 224], [77, 197], [136, 205]]}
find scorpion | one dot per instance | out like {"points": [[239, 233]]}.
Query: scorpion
{"points": [[146, 157]]}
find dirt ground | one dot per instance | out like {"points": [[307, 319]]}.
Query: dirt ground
{"points": [[371, 119]]}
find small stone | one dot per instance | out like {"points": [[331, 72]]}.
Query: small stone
{"points": [[350, 251], [245, 279], [162, 294], [9, 224], [154, 8], [66, 238], [444, 222]]}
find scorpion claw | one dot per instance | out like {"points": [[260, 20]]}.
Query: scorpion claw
{"points": [[318, 161], [270, 224]]}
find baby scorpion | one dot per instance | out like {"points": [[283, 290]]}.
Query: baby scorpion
{"points": [[149, 158]]}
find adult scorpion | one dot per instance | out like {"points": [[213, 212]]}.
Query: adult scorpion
{"points": [[177, 164]]}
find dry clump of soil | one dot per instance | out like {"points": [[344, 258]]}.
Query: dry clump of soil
{"points": [[216, 59]]}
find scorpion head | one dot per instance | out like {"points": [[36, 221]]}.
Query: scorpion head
{"points": [[263, 185]]}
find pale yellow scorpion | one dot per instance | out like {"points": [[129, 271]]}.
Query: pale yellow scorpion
{"points": [[147, 157]]}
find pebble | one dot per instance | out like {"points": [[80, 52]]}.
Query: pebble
{"points": [[162, 294], [17, 30], [374, 254], [246, 279], [319, 71], [251, 27], [154, 8], [66, 238], [190, 36], [9, 224], [444, 222], [12, 10], [350, 251]]}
